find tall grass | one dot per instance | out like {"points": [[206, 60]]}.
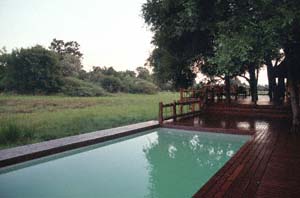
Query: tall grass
{"points": [[14, 134], [49, 117]]}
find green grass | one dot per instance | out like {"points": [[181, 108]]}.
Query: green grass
{"points": [[30, 119]]}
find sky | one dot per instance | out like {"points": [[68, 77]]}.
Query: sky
{"points": [[110, 32]]}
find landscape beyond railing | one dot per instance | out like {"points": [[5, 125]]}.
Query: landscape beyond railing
{"points": [[210, 93], [180, 109]]}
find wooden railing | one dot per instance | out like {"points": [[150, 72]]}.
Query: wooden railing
{"points": [[192, 94], [192, 102], [210, 93], [180, 109]]}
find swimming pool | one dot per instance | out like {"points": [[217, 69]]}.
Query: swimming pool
{"points": [[156, 163]]}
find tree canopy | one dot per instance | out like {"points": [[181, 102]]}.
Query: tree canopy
{"points": [[63, 48], [182, 34], [33, 70], [223, 37], [227, 34]]}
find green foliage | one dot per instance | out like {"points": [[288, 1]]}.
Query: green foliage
{"points": [[246, 36], [182, 33], [170, 70], [83, 75], [3, 66], [71, 65], [225, 36], [127, 73], [33, 70], [111, 84], [141, 86], [11, 133], [143, 73], [64, 48], [76, 87], [109, 71], [113, 81], [69, 56], [37, 71]]}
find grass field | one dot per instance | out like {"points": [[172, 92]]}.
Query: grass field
{"points": [[29, 119]]}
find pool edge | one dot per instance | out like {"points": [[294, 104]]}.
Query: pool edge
{"points": [[223, 170], [32, 151]]}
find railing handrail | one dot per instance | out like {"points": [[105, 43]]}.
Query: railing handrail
{"points": [[175, 114]]}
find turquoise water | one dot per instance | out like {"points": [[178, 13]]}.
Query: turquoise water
{"points": [[159, 163]]}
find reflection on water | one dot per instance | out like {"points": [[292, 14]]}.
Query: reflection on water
{"points": [[172, 150], [261, 125], [226, 122], [182, 162], [162, 163], [243, 125]]}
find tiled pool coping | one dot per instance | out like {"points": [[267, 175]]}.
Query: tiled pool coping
{"points": [[32, 151]]}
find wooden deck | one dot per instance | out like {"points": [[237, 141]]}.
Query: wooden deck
{"points": [[266, 166]]}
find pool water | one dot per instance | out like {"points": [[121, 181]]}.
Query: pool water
{"points": [[158, 163]]}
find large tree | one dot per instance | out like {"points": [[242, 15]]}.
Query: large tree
{"points": [[33, 70], [70, 65], [62, 47], [245, 39], [290, 41], [229, 35], [69, 56], [182, 34], [3, 66], [143, 73]]}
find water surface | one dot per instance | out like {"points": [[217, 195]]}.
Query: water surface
{"points": [[158, 163]]}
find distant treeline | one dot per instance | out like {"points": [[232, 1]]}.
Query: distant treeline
{"points": [[38, 70]]}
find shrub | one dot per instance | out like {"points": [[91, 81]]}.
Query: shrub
{"points": [[111, 84], [143, 86], [2, 84], [33, 70], [76, 87]]}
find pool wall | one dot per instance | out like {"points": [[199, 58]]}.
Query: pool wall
{"points": [[33, 151]]}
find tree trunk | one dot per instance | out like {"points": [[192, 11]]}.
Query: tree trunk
{"points": [[271, 79], [227, 88], [294, 104], [281, 89], [253, 83], [294, 97]]}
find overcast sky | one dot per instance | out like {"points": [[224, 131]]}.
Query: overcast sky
{"points": [[110, 32]]}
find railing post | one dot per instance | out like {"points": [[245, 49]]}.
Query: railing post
{"points": [[213, 94], [193, 106], [174, 111], [181, 100], [181, 94], [193, 93], [160, 114], [206, 94]]}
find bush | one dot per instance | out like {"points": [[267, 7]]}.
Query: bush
{"points": [[143, 86], [111, 84], [33, 70], [2, 85], [134, 85], [76, 87]]}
